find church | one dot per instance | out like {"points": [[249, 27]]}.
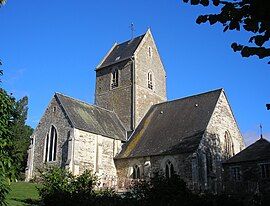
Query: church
{"points": [[132, 131]]}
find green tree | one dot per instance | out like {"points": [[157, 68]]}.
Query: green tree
{"points": [[21, 133], [7, 158], [14, 139], [251, 16]]}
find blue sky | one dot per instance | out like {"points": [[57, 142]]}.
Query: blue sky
{"points": [[49, 46]]}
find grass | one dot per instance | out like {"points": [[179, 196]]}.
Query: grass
{"points": [[23, 194]]}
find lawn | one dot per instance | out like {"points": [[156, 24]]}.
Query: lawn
{"points": [[23, 194]]}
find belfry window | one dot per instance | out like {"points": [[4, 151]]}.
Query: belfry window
{"points": [[228, 147], [169, 170], [115, 78], [136, 172], [50, 145], [150, 80]]}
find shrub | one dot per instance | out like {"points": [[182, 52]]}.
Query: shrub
{"points": [[161, 191], [60, 187], [57, 186]]}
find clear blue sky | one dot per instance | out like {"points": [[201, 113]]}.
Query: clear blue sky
{"points": [[49, 46]]}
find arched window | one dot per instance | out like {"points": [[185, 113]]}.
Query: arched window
{"points": [[150, 80], [51, 145], [136, 172], [228, 146], [169, 170], [115, 78]]}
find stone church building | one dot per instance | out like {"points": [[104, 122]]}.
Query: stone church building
{"points": [[132, 131]]}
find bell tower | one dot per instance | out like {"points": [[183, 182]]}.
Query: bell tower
{"points": [[130, 79]]}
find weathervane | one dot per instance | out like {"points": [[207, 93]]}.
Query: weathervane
{"points": [[132, 28]]}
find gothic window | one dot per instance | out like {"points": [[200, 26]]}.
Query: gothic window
{"points": [[115, 78], [169, 170], [51, 145], [150, 80], [136, 172], [235, 174], [265, 171], [228, 147]]}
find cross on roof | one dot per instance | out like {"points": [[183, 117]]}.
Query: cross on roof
{"points": [[132, 28]]}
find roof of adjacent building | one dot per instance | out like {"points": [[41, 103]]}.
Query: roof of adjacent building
{"points": [[173, 127], [260, 150], [91, 118], [121, 52]]}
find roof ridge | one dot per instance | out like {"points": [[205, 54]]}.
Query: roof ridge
{"points": [[195, 95]]}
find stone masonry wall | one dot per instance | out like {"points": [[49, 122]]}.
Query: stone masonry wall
{"points": [[207, 170], [55, 116], [118, 99], [145, 63], [223, 120], [151, 165], [95, 152]]}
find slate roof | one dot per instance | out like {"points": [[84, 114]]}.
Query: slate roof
{"points": [[260, 150], [172, 127], [91, 118], [121, 52]]}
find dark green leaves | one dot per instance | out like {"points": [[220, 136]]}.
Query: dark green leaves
{"points": [[253, 16]]}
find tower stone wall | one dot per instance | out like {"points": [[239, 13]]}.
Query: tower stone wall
{"points": [[118, 99], [147, 60], [132, 98]]}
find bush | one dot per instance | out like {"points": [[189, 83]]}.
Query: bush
{"points": [[60, 187], [161, 191], [57, 186]]}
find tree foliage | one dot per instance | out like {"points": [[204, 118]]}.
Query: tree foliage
{"points": [[7, 170], [21, 133], [14, 139], [252, 16], [2, 2]]}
